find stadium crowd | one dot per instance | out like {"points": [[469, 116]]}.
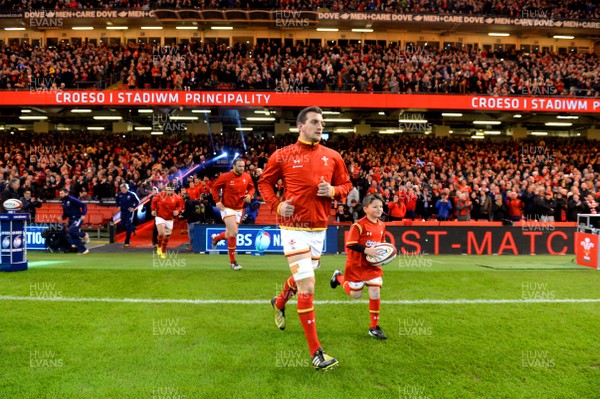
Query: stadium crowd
{"points": [[419, 178], [301, 69], [571, 9]]}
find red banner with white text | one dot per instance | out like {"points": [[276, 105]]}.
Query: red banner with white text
{"points": [[279, 99]]}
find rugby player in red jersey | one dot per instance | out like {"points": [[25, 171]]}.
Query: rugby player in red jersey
{"points": [[235, 188], [312, 175]]}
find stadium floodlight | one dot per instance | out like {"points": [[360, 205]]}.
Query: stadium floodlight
{"points": [[201, 111], [14, 28], [381, 113], [156, 133], [244, 129], [152, 27], [186, 27], [452, 114], [517, 116], [559, 124], [142, 128], [492, 132], [95, 128], [145, 111], [262, 111], [33, 117], [107, 118], [567, 117], [539, 133], [498, 34], [424, 121], [83, 28], [331, 112], [487, 122], [477, 137], [294, 130], [183, 118], [344, 130], [362, 30], [221, 27], [117, 27], [338, 120], [260, 119], [26, 111], [327, 29], [81, 110], [565, 37]]}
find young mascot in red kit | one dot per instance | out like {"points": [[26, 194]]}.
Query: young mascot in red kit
{"points": [[236, 188], [312, 175], [362, 237]]}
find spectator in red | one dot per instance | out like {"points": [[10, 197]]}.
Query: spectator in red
{"points": [[464, 207], [396, 209], [411, 204], [515, 207]]}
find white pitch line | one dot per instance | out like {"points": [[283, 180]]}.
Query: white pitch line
{"points": [[317, 302]]}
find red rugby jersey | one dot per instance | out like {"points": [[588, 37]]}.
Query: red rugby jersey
{"points": [[234, 188], [165, 205], [367, 234]]}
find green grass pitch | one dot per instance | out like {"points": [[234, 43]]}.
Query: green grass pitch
{"points": [[58, 341]]}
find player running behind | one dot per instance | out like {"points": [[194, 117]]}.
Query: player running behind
{"points": [[236, 189], [165, 207]]}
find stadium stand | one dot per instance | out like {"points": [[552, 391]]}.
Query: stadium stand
{"points": [[572, 9], [378, 164], [269, 67]]}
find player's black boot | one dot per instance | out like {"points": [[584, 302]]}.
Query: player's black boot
{"points": [[377, 333], [322, 361], [333, 282]]}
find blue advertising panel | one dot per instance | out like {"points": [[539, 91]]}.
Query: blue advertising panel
{"points": [[35, 241], [252, 239]]}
